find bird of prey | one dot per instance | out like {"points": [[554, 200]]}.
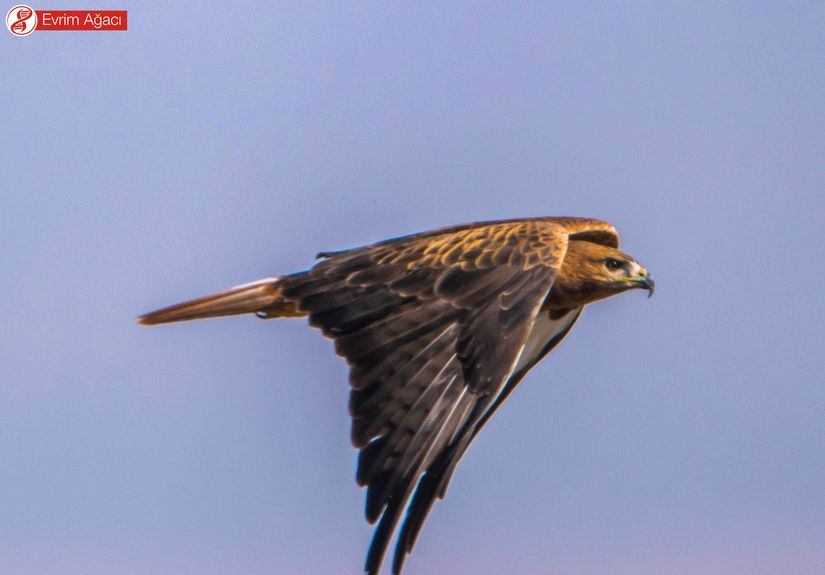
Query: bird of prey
{"points": [[438, 328]]}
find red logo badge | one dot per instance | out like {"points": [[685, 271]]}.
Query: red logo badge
{"points": [[22, 20]]}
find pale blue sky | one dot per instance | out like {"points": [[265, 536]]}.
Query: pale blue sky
{"points": [[209, 146]]}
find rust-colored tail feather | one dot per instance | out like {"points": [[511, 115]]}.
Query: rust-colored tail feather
{"points": [[262, 297]]}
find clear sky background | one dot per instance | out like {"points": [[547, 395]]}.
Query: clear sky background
{"points": [[213, 145]]}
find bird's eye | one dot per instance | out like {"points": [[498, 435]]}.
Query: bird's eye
{"points": [[612, 263]]}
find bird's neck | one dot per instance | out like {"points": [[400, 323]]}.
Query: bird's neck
{"points": [[568, 295]]}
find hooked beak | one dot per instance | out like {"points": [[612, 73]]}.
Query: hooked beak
{"points": [[645, 281]]}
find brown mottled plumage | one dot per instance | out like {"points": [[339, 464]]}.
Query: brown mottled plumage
{"points": [[438, 328]]}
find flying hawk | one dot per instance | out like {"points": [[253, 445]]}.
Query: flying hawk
{"points": [[438, 328]]}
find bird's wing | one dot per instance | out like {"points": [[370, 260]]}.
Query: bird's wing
{"points": [[432, 326], [590, 230]]}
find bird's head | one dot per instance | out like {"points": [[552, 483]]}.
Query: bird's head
{"points": [[593, 271]]}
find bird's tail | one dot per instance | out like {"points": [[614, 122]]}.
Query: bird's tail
{"points": [[262, 297]]}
